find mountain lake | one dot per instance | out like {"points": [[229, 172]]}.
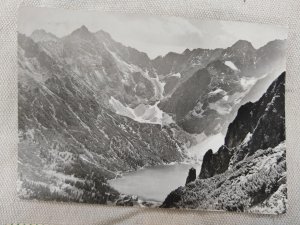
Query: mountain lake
{"points": [[154, 183]]}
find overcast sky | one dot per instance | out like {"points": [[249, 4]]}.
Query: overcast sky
{"points": [[151, 34]]}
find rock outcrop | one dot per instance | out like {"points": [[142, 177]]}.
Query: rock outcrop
{"points": [[192, 176], [215, 163]]}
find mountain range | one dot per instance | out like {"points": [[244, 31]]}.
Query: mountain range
{"points": [[91, 107], [194, 87]]}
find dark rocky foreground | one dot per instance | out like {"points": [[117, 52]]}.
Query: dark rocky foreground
{"points": [[248, 173]]}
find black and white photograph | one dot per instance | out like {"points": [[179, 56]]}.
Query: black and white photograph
{"points": [[151, 111]]}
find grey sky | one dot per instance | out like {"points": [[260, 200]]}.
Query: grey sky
{"points": [[151, 34]]}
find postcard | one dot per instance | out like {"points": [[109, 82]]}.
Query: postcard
{"points": [[150, 111]]}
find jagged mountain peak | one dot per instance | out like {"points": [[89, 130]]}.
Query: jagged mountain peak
{"points": [[276, 42], [129, 54], [186, 51], [243, 44], [172, 55], [272, 46], [83, 28], [158, 58], [40, 35], [39, 31], [103, 34], [82, 32]]}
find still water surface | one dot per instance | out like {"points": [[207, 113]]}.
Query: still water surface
{"points": [[154, 183]]}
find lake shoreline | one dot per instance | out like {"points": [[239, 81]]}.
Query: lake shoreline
{"points": [[153, 184]]}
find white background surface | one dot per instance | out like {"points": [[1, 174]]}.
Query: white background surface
{"points": [[13, 210]]}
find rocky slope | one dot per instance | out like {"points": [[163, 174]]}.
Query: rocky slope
{"points": [[175, 68], [108, 67], [70, 141], [248, 173], [90, 107], [227, 77], [207, 99], [257, 125]]}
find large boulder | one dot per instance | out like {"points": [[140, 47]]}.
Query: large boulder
{"points": [[192, 176]]}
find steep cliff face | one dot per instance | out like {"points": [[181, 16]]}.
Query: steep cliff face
{"points": [[249, 171], [215, 163], [192, 176], [186, 97], [257, 125]]}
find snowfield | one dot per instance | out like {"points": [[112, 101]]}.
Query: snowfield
{"points": [[142, 113]]}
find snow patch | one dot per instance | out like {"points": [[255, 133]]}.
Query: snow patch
{"points": [[246, 139], [157, 84], [231, 65], [217, 91], [176, 75], [121, 109], [142, 113], [225, 97], [198, 111]]}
